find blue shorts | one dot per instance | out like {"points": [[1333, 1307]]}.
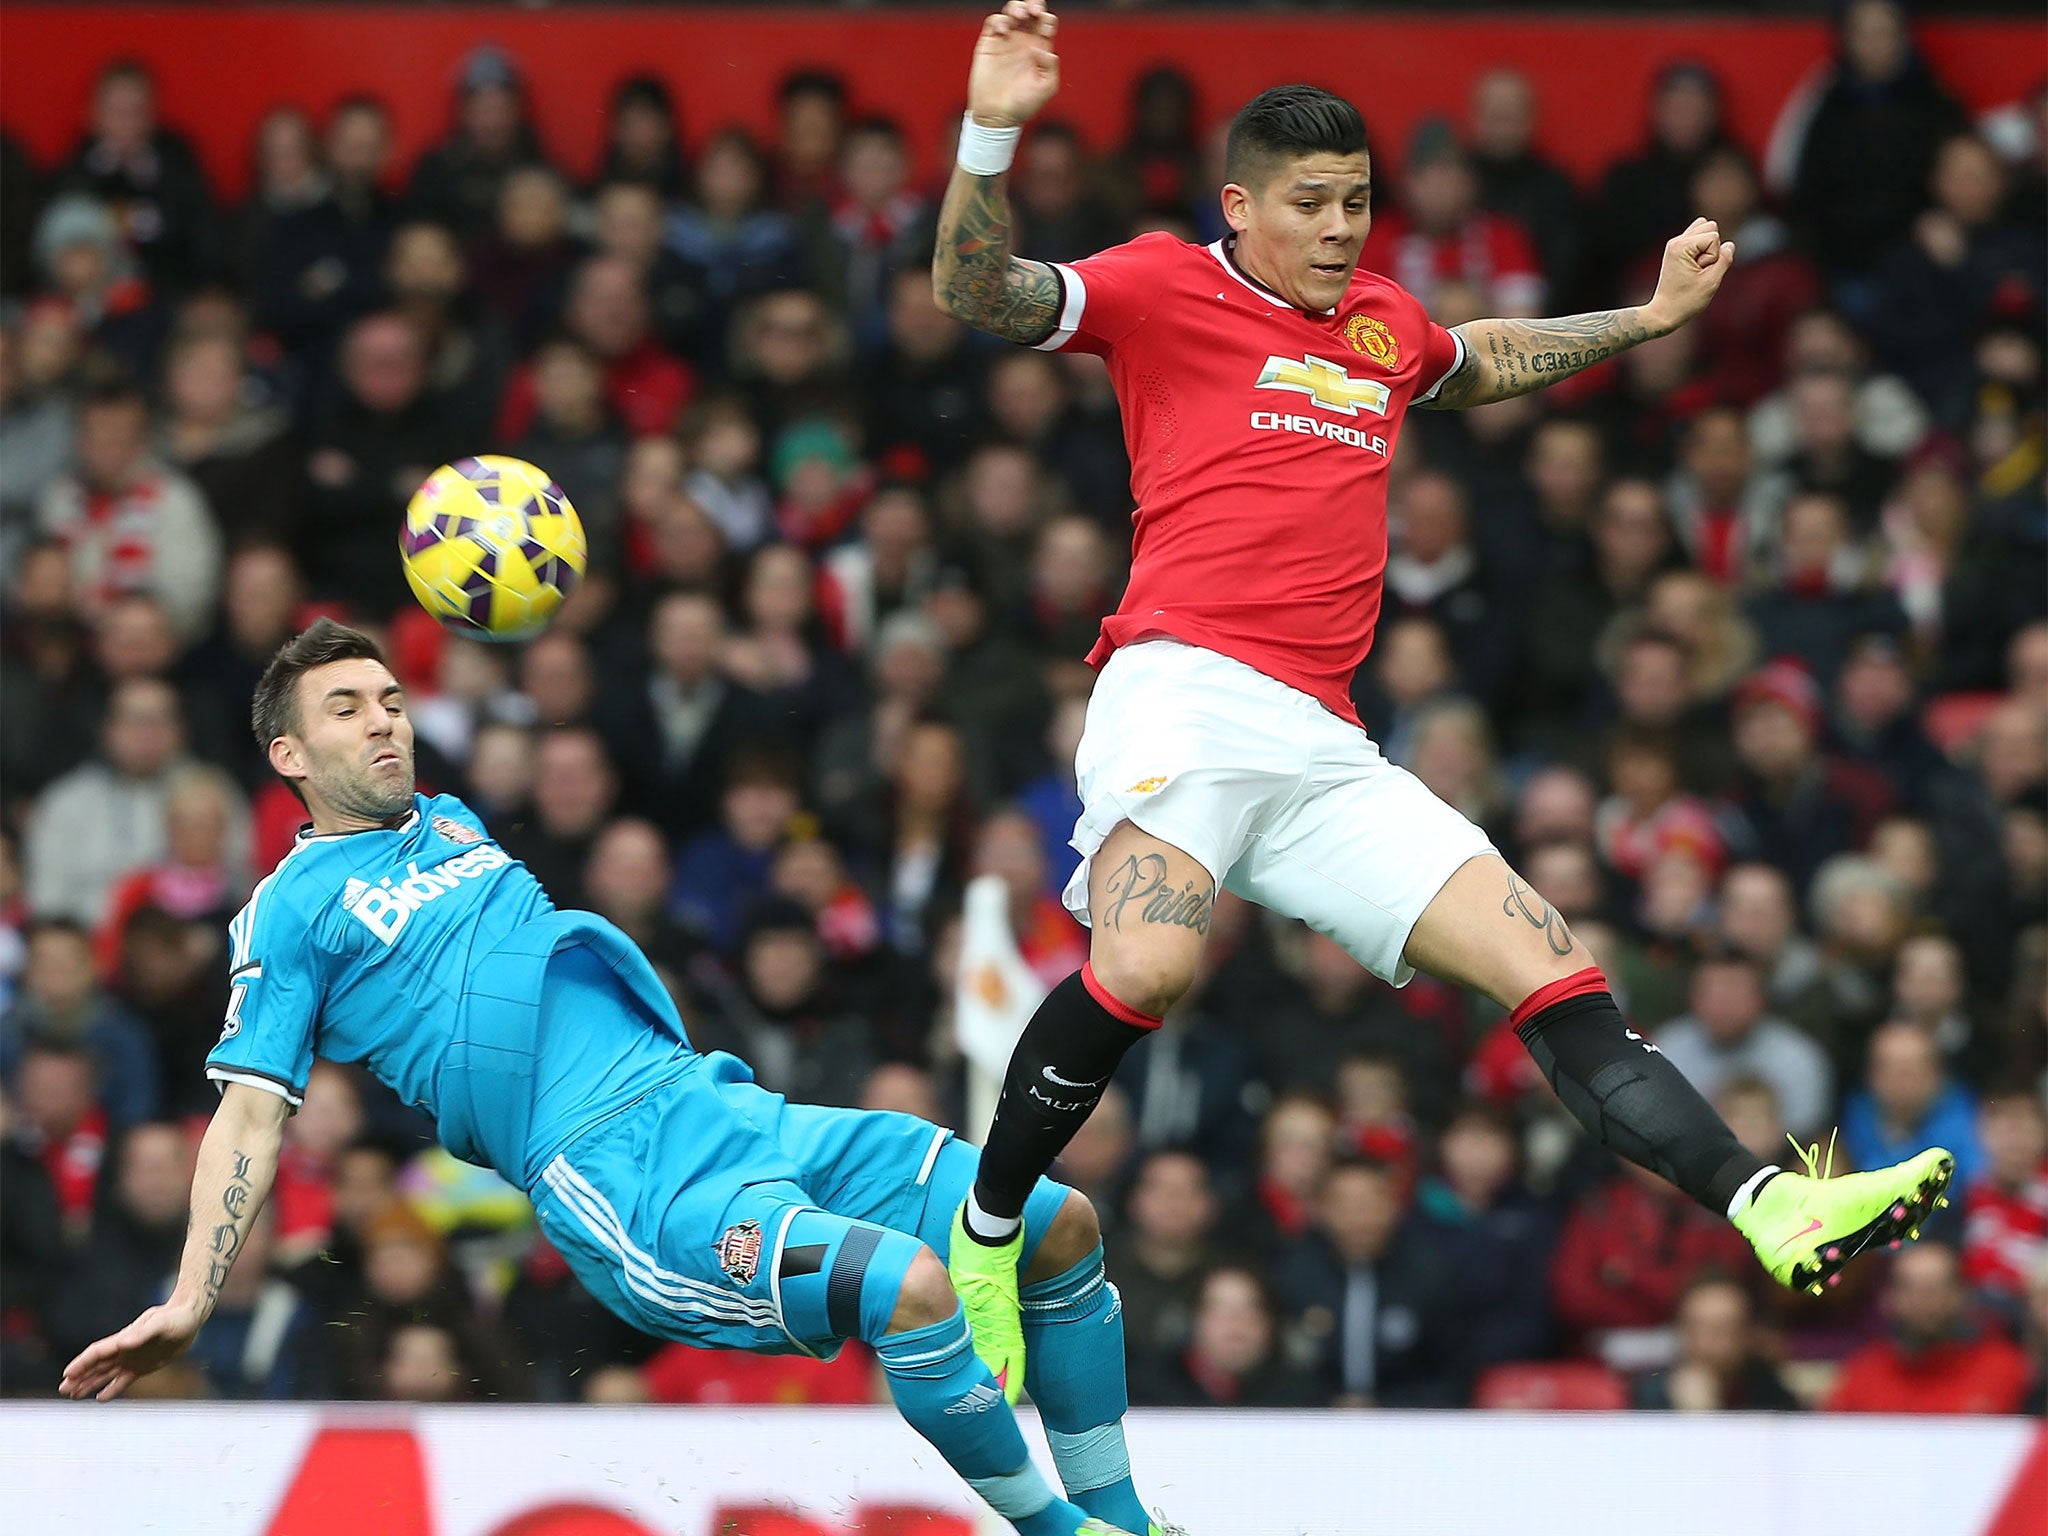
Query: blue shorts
{"points": [[715, 1213]]}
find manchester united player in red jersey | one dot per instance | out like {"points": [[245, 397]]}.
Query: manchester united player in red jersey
{"points": [[1263, 381]]}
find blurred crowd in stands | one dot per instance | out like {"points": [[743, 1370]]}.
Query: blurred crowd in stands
{"points": [[1738, 645]]}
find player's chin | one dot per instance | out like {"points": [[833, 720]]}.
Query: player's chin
{"points": [[1323, 286]]}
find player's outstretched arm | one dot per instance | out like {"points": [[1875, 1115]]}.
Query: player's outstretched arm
{"points": [[1504, 358], [237, 1162], [974, 276]]}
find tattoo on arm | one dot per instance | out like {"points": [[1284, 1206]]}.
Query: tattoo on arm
{"points": [[975, 275], [1537, 912], [1142, 879], [1505, 358], [225, 1241]]}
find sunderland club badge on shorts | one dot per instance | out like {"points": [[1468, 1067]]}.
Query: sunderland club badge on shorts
{"points": [[739, 1252]]}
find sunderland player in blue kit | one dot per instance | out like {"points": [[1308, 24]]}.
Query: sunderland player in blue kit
{"points": [[692, 1202]]}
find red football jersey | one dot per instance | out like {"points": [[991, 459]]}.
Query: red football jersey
{"points": [[1259, 437]]}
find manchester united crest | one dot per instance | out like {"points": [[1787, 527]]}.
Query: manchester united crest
{"points": [[455, 831], [1369, 334], [739, 1252]]}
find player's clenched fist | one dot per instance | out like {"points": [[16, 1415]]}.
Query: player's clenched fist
{"points": [[1015, 71], [1695, 262]]}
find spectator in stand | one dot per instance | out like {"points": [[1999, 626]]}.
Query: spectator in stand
{"points": [[1297, 1145], [1795, 806], [1627, 1254], [1864, 155], [1440, 233], [1031, 403], [1059, 215], [1159, 167], [130, 523], [627, 881], [1162, 1255], [1963, 263], [138, 1231], [629, 223], [878, 225], [2036, 1334], [1435, 567], [32, 1256], [467, 348], [317, 266], [172, 973], [1649, 815], [238, 452], [723, 447], [1720, 1364], [61, 1006], [1935, 1357], [1373, 1296], [924, 382], [1072, 587], [577, 437], [783, 1012], [93, 290], [780, 650], [521, 267], [1517, 182], [721, 872], [63, 1129], [1725, 511], [260, 593], [917, 830], [2005, 1211], [36, 430], [1890, 421], [1234, 1356], [1907, 1096], [457, 182], [575, 788], [1826, 456], [811, 106], [1930, 988], [729, 233], [1742, 337], [106, 818], [1823, 601], [1494, 1232], [285, 157], [128, 160], [1729, 1035], [1759, 917], [1051, 943], [371, 448], [254, 1344], [1876, 719], [608, 312], [1645, 197], [643, 143], [205, 873]]}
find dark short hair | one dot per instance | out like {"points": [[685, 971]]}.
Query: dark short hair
{"points": [[811, 82], [1287, 121], [274, 711]]}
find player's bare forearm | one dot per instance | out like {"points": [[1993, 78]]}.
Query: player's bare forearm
{"points": [[974, 276], [1505, 358], [237, 1163]]}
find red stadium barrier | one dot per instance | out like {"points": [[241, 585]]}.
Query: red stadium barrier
{"points": [[223, 66]]}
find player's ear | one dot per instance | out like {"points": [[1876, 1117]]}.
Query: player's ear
{"points": [[286, 759], [1237, 206]]}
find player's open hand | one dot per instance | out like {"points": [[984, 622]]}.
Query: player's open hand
{"points": [[107, 1369], [1695, 262], [1015, 71]]}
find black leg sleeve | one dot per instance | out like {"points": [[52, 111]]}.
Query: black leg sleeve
{"points": [[1063, 1062], [1634, 1102]]}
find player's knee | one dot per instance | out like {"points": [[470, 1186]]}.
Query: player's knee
{"points": [[1149, 978], [925, 1296], [1073, 1235]]}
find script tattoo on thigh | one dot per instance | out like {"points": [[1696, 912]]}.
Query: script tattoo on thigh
{"points": [[1537, 912], [1141, 878]]}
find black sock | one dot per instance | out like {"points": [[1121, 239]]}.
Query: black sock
{"points": [[1063, 1062], [1634, 1102]]}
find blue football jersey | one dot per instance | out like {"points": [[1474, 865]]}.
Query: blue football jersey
{"points": [[421, 951]]}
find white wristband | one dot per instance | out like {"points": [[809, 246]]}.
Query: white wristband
{"points": [[986, 151]]}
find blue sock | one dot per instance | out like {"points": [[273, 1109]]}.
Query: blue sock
{"points": [[947, 1395], [1074, 1371]]}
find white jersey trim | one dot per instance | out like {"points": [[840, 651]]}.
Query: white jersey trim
{"points": [[222, 1076], [1456, 363], [1217, 249], [1073, 299]]}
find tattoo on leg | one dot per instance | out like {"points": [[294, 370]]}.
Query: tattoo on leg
{"points": [[1142, 878], [1537, 913]]}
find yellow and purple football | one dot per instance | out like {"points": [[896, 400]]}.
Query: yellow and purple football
{"points": [[491, 547]]}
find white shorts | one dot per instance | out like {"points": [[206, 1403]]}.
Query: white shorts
{"points": [[1282, 802]]}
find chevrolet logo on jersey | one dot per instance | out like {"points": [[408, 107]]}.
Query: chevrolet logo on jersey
{"points": [[1325, 383]]}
